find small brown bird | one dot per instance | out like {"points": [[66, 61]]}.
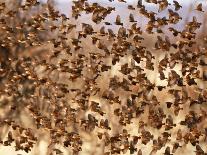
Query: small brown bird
{"points": [[177, 5], [131, 18], [139, 4], [122, 1], [163, 5], [130, 7], [118, 20], [199, 7]]}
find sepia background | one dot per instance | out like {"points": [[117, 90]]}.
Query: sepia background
{"points": [[91, 144]]}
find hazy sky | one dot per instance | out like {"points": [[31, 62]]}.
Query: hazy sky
{"points": [[182, 2], [64, 6], [132, 1], [186, 3]]}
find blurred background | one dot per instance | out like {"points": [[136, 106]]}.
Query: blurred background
{"points": [[91, 145]]}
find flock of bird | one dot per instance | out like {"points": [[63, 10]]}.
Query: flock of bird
{"points": [[65, 109]]}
